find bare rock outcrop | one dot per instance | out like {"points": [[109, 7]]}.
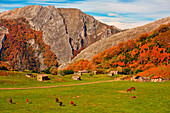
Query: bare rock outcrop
{"points": [[64, 30], [3, 31]]}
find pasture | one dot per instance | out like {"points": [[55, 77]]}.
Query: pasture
{"points": [[18, 79], [108, 97]]}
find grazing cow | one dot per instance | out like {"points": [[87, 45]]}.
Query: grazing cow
{"points": [[56, 99], [133, 88], [27, 101], [10, 101], [128, 90], [133, 97], [72, 103], [61, 103]]}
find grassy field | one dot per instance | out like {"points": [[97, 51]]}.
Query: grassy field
{"points": [[18, 79], [93, 98], [108, 97]]}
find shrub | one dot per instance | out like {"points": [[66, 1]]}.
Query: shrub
{"points": [[152, 75], [67, 72], [3, 68], [137, 71], [126, 71]]}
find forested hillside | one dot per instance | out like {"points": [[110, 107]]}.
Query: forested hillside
{"points": [[23, 47], [147, 51]]}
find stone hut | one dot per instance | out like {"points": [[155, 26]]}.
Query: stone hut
{"points": [[136, 78], [156, 79], [76, 78], [42, 77], [95, 72], [29, 75], [111, 73], [146, 79]]}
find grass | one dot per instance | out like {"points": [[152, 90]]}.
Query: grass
{"points": [[100, 98], [18, 79]]}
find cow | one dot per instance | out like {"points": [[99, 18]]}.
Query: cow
{"points": [[133, 97], [72, 103], [133, 88], [57, 100], [128, 90], [61, 103], [10, 101], [27, 101]]}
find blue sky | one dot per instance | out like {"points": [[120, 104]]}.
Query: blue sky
{"points": [[121, 13]]}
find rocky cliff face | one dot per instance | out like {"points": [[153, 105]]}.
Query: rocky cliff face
{"points": [[64, 30], [113, 40], [3, 31]]}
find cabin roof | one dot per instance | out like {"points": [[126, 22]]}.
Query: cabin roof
{"points": [[43, 75], [137, 77], [155, 77]]}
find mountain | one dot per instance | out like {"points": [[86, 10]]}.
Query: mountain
{"points": [[149, 52], [65, 31], [115, 39]]}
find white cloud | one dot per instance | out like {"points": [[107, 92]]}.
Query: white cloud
{"points": [[10, 5], [122, 23], [122, 14], [112, 14]]}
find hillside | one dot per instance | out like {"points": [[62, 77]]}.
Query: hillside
{"points": [[147, 51], [163, 71], [65, 31], [113, 40], [23, 48]]}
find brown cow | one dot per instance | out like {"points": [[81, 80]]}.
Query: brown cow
{"points": [[133, 97], [27, 101], [128, 90], [56, 99], [10, 101], [72, 103], [133, 88]]}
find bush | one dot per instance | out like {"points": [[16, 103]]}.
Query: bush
{"points": [[137, 71], [152, 75], [126, 71], [90, 74], [3, 68], [47, 71], [67, 72]]}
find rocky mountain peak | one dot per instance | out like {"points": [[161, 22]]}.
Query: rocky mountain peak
{"points": [[64, 29]]}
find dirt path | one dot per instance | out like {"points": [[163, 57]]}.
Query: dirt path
{"points": [[58, 85]]}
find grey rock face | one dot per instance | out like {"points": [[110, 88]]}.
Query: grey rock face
{"points": [[3, 31], [64, 30]]}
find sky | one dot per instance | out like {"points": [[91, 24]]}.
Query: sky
{"points": [[124, 14]]}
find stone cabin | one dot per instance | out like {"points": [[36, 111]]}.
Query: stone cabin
{"points": [[76, 78], [42, 77], [95, 72], [29, 75], [146, 79], [156, 79], [136, 78], [111, 73]]}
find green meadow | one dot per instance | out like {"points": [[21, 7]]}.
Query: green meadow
{"points": [[18, 79], [109, 97]]}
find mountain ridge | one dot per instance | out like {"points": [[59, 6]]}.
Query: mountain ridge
{"points": [[113, 40], [64, 30]]}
